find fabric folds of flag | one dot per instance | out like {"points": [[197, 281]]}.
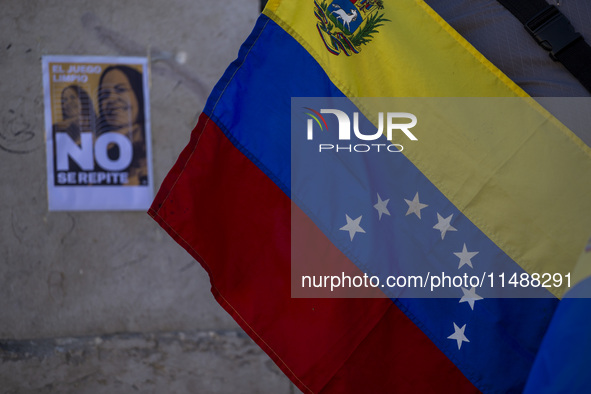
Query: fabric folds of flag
{"points": [[230, 202], [565, 350]]}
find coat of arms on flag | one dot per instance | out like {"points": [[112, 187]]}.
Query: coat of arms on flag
{"points": [[345, 25]]}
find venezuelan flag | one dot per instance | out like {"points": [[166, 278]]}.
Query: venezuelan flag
{"points": [[513, 197]]}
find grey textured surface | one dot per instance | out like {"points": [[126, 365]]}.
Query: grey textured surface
{"points": [[81, 276], [174, 362]]}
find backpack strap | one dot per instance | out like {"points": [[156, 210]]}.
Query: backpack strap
{"points": [[554, 32]]}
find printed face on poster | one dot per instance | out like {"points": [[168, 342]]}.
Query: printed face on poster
{"points": [[97, 124]]}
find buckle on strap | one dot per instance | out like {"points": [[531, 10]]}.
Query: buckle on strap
{"points": [[552, 30]]}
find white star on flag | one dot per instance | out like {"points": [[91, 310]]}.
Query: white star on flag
{"points": [[458, 335], [382, 208], [470, 296], [465, 257], [353, 226], [415, 206], [444, 225]]}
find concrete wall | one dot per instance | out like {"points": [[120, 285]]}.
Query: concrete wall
{"points": [[107, 302]]}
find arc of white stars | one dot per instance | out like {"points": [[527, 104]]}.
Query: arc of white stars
{"points": [[353, 226], [382, 207], [459, 335], [470, 296], [415, 206], [444, 224], [465, 257]]}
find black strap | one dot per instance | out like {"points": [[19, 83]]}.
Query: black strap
{"points": [[553, 31]]}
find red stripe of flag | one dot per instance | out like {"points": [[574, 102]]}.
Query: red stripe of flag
{"points": [[236, 222]]}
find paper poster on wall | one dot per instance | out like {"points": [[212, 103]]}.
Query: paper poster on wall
{"points": [[97, 125]]}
